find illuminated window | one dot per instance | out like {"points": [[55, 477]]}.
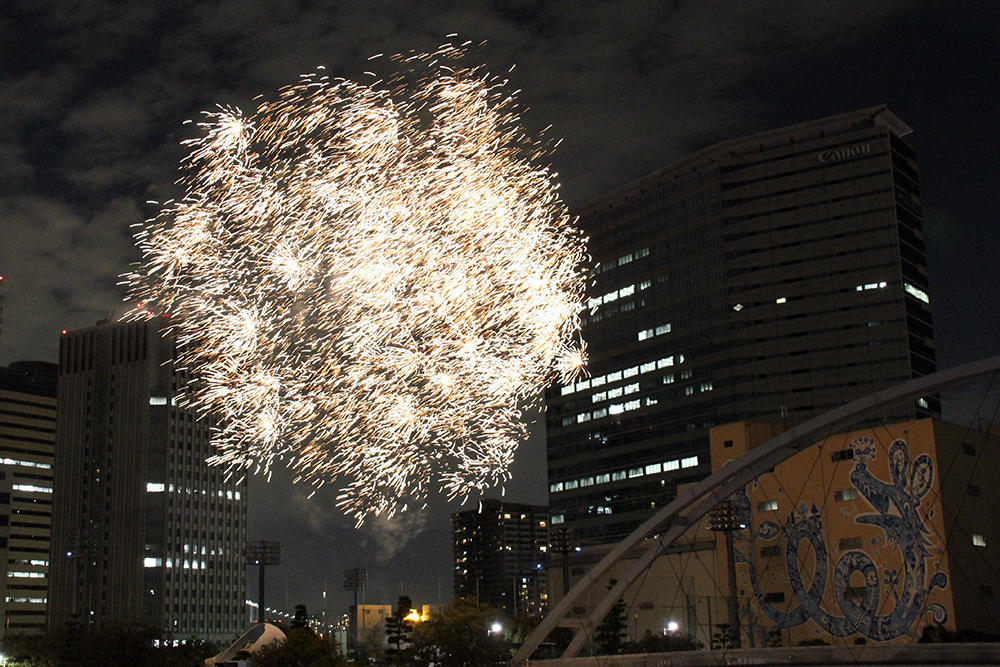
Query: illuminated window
{"points": [[780, 300], [555, 488], [626, 291], [567, 390], [614, 377], [630, 372], [597, 381], [599, 396], [155, 487], [616, 409], [688, 391], [689, 462], [916, 292], [846, 494], [558, 518], [645, 284], [616, 392], [632, 405], [654, 468], [619, 475], [603, 479], [635, 472], [645, 368], [662, 329], [706, 386], [672, 465], [668, 379], [152, 562], [157, 400], [767, 506], [645, 333], [631, 388], [978, 541]]}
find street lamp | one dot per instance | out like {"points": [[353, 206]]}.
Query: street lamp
{"points": [[726, 518], [262, 553]]}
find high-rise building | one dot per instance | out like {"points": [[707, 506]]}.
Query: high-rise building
{"points": [[772, 277], [500, 555], [143, 529], [27, 440]]}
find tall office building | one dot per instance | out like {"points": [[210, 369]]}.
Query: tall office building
{"points": [[27, 440], [143, 529], [500, 555], [772, 277]]}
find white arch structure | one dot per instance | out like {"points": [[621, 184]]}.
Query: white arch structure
{"points": [[694, 503]]}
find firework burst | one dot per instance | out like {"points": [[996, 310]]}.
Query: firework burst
{"points": [[369, 282]]}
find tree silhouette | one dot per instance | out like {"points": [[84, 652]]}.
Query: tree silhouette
{"points": [[397, 628]]}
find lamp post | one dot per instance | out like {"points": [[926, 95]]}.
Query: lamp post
{"points": [[725, 518], [262, 553], [355, 579]]}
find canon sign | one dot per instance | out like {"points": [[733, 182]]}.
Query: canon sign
{"points": [[841, 153]]}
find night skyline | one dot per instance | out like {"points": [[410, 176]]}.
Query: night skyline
{"points": [[96, 97]]}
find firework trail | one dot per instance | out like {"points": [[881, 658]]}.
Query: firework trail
{"points": [[369, 281]]}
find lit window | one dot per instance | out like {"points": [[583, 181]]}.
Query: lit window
{"points": [[635, 472], [593, 303], [599, 396], [626, 291], [706, 386], [688, 391], [654, 468], [645, 284], [572, 484], [555, 488], [916, 292], [632, 405], [845, 494], [780, 299], [603, 479], [672, 465], [566, 421], [632, 388], [645, 333], [157, 400], [645, 368], [152, 562], [625, 260], [567, 390], [978, 540], [616, 392], [31, 488], [597, 381], [689, 462], [668, 379], [662, 329], [738, 307], [767, 506], [585, 384], [597, 414], [611, 296], [614, 377], [651, 401], [617, 476], [616, 409], [631, 372], [582, 417], [644, 252], [587, 481], [680, 358], [155, 487], [558, 518], [922, 402]]}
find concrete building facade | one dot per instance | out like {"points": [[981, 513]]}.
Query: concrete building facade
{"points": [[770, 277], [500, 555], [27, 441], [143, 528]]}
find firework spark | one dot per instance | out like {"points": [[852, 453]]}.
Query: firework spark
{"points": [[369, 281]]}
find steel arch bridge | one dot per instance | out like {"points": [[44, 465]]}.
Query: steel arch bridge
{"points": [[689, 507]]}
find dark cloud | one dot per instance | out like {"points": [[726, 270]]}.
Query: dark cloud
{"points": [[94, 96]]}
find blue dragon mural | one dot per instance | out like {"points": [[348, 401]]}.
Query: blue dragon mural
{"points": [[897, 505]]}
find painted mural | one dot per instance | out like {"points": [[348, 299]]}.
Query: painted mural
{"points": [[898, 568]]}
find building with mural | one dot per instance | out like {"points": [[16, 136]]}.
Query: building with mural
{"points": [[869, 536]]}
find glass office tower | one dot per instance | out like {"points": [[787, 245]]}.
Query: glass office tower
{"points": [[772, 277]]}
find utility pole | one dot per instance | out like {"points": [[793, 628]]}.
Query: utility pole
{"points": [[725, 518], [262, 553]]}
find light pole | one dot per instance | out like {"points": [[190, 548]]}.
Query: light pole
{"points": [[725, 518], [355, 579], [262, 553]]}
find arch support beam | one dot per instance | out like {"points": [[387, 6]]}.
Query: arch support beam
{"points": [[693, 504]]}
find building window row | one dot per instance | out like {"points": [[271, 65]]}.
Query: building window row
{"points": [[618, 376], [628, 473]]}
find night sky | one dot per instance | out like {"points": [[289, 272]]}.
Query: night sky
{"points": [[95, 93]]}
